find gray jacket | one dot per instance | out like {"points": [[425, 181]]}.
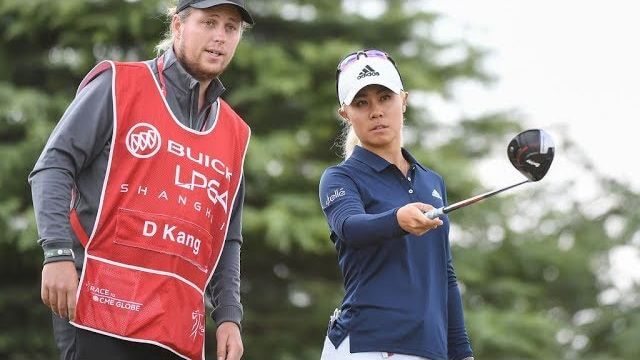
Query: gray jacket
{"points": [[77, 153]]}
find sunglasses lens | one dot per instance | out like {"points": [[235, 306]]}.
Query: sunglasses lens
{"points": [[376, 53], [347, 60], [355, 56]]}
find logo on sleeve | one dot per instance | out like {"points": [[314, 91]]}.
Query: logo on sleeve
{"points": [[337, 193]]}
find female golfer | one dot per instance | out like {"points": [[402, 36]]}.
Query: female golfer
{"points": [[401, 295]]}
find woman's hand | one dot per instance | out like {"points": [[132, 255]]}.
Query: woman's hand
{"points": [[412, 219]]}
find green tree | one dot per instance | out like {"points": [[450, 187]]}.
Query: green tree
{"points": [[532, 263]]}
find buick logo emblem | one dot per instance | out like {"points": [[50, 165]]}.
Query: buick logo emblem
{"points": [[143, 141]]}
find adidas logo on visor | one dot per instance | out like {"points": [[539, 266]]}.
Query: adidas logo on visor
{"points": [[367, 71]]}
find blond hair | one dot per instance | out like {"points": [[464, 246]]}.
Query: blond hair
{"points": [[167, 39], [349, 140]]}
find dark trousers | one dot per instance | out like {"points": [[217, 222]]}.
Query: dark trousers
{"points": [[79, 344]]}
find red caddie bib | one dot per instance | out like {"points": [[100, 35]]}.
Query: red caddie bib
{"points": [[163, 218]]}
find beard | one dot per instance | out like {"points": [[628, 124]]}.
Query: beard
{"points": [[193, 67]]}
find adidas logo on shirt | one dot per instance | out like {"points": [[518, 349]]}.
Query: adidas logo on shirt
{"points": [[367, 71], [436, 194]]}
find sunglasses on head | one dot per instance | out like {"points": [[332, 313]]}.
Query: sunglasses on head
{"points": [[354, 56]]}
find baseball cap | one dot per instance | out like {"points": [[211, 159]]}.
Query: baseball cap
{"points": [[203, 4], [367, 70]]}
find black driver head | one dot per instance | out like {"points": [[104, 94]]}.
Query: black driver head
{"points": [[531, 152]]}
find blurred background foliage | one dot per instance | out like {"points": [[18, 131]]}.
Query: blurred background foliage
{"points": [[534, 265]]}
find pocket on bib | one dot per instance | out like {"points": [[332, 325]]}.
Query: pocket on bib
{"points": [[164, 234]]}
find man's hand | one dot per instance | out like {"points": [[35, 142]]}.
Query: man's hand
{"points": [[59, 285], [412, 219], [229, 341]]}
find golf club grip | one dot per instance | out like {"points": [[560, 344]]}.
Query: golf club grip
{"points": [[434, 213]]}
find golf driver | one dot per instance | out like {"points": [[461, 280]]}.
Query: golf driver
{"points": [[531, 152]]}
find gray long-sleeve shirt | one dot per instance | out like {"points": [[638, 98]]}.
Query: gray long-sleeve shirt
{"points": [[77, 154]]}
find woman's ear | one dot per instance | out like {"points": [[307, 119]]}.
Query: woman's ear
{"points": [[343, 113], [404, 101]]}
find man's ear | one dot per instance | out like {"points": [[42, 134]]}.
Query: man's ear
{"points": [[176, 24]]}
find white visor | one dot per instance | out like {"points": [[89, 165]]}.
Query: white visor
{"points": [[367, 71]]}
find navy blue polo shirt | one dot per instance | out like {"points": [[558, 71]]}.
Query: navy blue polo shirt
{"points": [[401, 292]]}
